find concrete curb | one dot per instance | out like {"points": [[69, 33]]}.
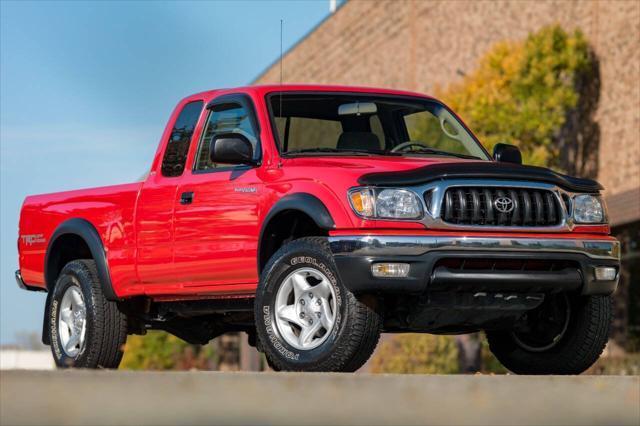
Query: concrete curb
{"points": [[165, 398]]}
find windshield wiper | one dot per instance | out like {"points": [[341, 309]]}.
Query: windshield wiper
{"points": [[441, 152]]}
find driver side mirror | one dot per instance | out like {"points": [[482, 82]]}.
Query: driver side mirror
{"points": [[506, 153], [231, 148]]}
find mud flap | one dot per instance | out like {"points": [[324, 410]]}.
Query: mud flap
{"points": [[46, 336]]}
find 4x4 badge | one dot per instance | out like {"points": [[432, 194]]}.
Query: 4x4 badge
{"points": [[503, 204]]}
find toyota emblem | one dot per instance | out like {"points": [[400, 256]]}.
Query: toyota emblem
{"points": [[503, 204]]}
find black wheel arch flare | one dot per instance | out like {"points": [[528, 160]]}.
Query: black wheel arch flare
{"points": [[85, 230], [304, 202]]}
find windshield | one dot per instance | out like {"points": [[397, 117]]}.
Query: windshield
{"points": [[362, 124]]}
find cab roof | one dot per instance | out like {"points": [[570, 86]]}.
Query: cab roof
{"points": [[262, 90]]}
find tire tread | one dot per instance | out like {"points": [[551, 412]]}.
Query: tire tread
{"points": [[583, 346]]}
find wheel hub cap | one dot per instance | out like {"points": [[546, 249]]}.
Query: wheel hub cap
{"points": [[305, 308], [72, 320]]}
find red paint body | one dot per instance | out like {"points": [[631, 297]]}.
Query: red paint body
{"points": [[155, 246]]}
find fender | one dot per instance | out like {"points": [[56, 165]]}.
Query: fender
{"points": [[304, 202], [89, 234]]}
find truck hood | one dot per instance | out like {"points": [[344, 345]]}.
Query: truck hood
{"points": [[407, 171]]}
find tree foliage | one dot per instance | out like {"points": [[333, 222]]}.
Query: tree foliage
{"points": [[426, 354], [158, 350], [523, 91], [416, 353]]}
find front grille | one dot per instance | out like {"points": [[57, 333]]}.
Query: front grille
{"points": [[495, 206]]}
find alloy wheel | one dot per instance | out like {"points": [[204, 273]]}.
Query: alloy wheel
{"points": [[305, 308]]}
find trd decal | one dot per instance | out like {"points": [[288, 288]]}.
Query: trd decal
{"points": [[30, 239]]}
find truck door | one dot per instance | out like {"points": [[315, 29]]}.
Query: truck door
{"points": [[154, 214], [216, 213]]}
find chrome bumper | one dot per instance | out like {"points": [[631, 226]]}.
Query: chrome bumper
{"points": [[355, 255], [20, 281], [23, 285], [419, 245]]}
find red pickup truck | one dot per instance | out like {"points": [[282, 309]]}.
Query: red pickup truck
{"points": [[313, 218]]}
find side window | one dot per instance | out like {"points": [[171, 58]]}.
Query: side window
{"points": [[224, 118], [175, 154]]}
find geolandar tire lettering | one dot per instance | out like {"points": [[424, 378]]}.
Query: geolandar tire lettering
{"points": [[306, 319], [53, 327], [272, 337]]}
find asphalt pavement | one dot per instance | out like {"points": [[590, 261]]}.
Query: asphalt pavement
{"points": [[195, 398]]}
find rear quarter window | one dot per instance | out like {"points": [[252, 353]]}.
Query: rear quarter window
{"points": [[175, 154]]}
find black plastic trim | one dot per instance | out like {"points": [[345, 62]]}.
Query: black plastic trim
{"points": [[306, 203], [355, 272], [443, 278], [303, 202], [46, 335], [243, 100], [479, 170], [89, 234]]}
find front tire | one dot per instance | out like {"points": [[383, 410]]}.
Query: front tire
{"points": [[572, 340], [87, 330], [306, 319]]}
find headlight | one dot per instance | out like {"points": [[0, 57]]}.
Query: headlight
{"points": [[374, 203], [588, 209]]}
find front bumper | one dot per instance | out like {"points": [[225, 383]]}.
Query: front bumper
{"points": [[429, 257]]}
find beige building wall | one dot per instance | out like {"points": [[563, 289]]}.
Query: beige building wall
{"points": [[418, 45]]}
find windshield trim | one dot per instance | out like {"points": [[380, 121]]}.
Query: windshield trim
{"points": [[276, 136]]}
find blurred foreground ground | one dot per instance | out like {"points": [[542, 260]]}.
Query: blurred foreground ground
{"points": [[104, 397]]}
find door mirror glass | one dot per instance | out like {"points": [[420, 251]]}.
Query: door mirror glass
{"points": [[506, 153], [231, 148]]}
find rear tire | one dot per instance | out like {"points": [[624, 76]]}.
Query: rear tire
{"points": [[86, 329], [306, 319], [577, 344]]}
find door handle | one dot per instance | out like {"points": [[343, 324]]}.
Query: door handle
{"points": [[186, 198]]}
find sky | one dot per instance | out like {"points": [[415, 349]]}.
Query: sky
{"points": [[86, 89]]}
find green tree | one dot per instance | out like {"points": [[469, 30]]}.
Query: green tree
{"points": [[426, 354], [523, 92], [158, 350], [416, 353]]}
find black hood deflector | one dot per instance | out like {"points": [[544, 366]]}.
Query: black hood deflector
{"points": [[479, 170]]}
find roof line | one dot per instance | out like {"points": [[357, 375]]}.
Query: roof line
{"points": [[303, 38]]}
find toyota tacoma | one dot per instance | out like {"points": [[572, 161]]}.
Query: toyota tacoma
{"points": [[313, 218]]}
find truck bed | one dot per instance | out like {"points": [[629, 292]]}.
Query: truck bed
{"points": [[110, 209]]}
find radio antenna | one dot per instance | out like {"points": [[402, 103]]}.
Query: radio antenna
{"points": [[281, 72], [281, 25]]}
